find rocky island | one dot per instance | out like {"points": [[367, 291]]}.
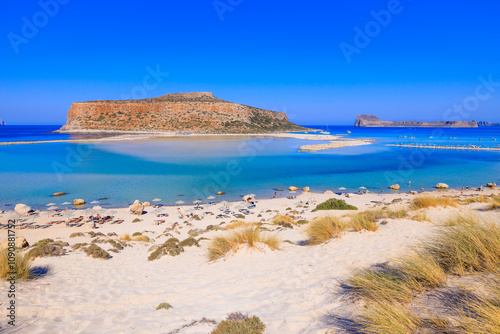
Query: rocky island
{"points": [[486, 123], [198, 112], [2, 122], [374, 121]]}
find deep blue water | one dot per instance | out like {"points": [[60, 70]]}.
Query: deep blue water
{"points": [[190, 168]]}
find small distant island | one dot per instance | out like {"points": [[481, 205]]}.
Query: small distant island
{"points": [[2, 122], [198, 112], [374, 121]]}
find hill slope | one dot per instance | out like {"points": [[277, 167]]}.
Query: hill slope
{"points": [[181, 112]]}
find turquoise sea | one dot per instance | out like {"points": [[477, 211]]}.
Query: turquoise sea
{"points": [[189, 168]]}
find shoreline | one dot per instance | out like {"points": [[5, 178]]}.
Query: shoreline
{"points": [[155, 136], [285, 194]]}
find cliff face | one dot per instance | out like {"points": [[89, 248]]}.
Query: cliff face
{"points": [[192, 112], [373, 121]]}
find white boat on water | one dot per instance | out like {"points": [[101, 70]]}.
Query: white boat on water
{"points": [[325, 132]]}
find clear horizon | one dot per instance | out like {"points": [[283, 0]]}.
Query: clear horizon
{"points": [[321, 63]]}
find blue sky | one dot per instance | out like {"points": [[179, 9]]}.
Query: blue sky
{"points": [[415, 64]]}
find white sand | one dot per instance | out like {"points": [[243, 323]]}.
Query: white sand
{"points": [[335, 144], [293, 290]]}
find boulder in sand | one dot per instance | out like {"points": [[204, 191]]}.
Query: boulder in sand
{"points": [[306, 189], [147, 204], [78, 201], [19, 243], [395, 187], [22, 208], [491, 185], [137, 208], [292, 188], [442, 186], [328, 192], [413, 192]]}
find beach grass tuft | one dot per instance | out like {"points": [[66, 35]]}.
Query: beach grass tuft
{"points": [[424, 202], [240, 325], [126, 237], [164, 306], [384, 317], [335, 204], [478, 314], [467, 245], [170, 247], [323, 229], [250, 236], [97, 252], [45, 250], [366, 220], [141, 238], [22, 268], [236, 224]]}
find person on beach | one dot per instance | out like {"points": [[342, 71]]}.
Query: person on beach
{"points": [[275, 195]]}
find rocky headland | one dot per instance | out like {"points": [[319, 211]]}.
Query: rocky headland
{"points": [[199, 112], [374, 121]]}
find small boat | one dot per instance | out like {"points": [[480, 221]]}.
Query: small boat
{"points": [[348, 131], [431, 137], [325, 132], [493, 139]]}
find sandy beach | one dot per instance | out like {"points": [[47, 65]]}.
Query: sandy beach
{"points": [[292, 290]]}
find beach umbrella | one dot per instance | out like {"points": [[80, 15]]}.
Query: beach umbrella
{"points": [[52, 208], [94, 202], [51, 204], [225, 203], [179, 202], [342, 188], [211, 197], [66, 203], [156, 200], [198, 201], [362, 187]]}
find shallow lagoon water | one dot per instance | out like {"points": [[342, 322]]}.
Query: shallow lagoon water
{"points": [[188, 168]]}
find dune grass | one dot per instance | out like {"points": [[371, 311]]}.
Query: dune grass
{"points": [[21, 267], [97, 252], [250, 236], [334, 204], [284, 221], [385, 317], [142, 238], [366, 220], [397, 213], [424, 202], [466, 245], [419, 215], [236, 224], [240, 325], [323, 229], [126, 237]]}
